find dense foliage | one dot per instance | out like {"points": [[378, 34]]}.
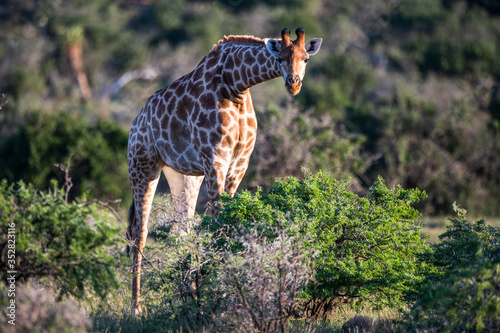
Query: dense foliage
{"points": [[68, 243], [466, 243], [467, 301], [96, 154], [305, 247], [408, 90], [463, 294], [368, 247], [298, 251]]}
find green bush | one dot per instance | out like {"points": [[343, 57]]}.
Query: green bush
{"points": [[368, 247], [466, 243], [296, 252], [463, 294], [98, 154], [468, 301], [67, 243]]}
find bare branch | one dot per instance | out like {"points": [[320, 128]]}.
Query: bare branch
{"points": [[68, 184], [105, 204], [148, 74]]}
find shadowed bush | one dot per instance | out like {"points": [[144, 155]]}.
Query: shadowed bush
{"points": [[67, 243], [98, 154], [463, 295]]}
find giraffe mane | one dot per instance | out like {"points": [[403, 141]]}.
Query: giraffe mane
{"points": [[243, 40]]}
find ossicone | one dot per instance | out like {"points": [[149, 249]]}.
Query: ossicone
{"points": [[285, 37], [301, 37]]}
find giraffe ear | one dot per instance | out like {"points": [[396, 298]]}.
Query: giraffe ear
{"points": [[313, 46], [273, 46]]}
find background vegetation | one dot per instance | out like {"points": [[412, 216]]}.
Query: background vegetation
{"points": [[405, 90]]}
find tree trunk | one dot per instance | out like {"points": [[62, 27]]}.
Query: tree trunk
{"points": [[75, 54]]}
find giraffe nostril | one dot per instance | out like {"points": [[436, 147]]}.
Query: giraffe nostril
{"points": [[293, 80]]}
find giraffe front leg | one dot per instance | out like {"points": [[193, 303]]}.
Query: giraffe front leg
{"points": [[235, 175], [215, 176]]}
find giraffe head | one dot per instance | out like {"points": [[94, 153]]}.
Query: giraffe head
{"points": [[292, 56]]}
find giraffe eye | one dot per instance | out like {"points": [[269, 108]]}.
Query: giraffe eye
{"points": [[280, 60], [306, 60]]}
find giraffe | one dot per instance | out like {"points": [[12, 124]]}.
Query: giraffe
{"points": [[203, 126]]}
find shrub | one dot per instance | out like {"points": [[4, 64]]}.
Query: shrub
{"points": [[264, 282], [368, 247], [38, 311], [464, 295], [468, 301], [181, 280], [68, 243], [465, 243], [191, 282], [47, 139]]}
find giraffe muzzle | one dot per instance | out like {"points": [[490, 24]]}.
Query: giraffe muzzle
{"points": [[293, 84]]}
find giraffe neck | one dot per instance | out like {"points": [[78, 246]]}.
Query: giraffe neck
{"points": [[246, 66]]}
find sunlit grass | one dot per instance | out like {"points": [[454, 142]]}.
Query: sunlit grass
{"points": [[434, 226]]}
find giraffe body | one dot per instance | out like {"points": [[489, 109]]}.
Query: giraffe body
{"points": [[203, 126]]}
